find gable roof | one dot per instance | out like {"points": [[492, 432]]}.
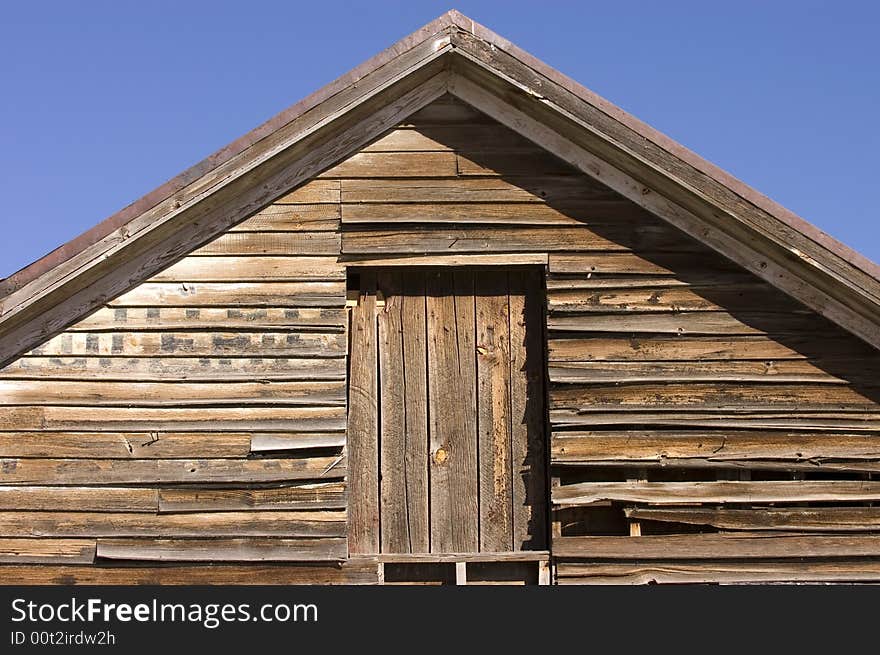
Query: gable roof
{"points": [[452, 54]]}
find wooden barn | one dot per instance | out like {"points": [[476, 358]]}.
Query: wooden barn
{"points": [[451, 319]]}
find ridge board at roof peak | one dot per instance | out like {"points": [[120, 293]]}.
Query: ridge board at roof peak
{"points": [[451, 54]]}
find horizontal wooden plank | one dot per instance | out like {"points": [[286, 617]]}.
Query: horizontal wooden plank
{"points": [[451, 137], [234, 294], [158, 471], [269, 442], [738, 545], [708, 466], [670, 299], [511, 259], [293, 218], [621, 236], [199, 344], [858, 570], [526, 162], [145, 419], [787, 371], [195, 574], [199, 525], [79, 499], [672, 493], [404, 164], [170, 394], [308, 495], [840, 421], [212, 318], [685, 323], [125, 445], [600, 215], [446, 110], [720, 444], [439, 558], [643, 263], [272, 243], [721, 395], [46, 551], [313, 191], [662, 348], [223, 550], [220, 369], [800, 519], [251, 269], [697, 280], [566, 190]]}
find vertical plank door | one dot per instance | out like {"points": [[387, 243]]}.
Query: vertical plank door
{"points": [[446, 411]]}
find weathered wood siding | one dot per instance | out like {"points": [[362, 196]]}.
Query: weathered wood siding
{"points": [[704, 427]]}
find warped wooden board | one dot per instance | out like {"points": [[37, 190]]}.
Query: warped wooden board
{"points": [[641, 263], [46, 551], [719, 444], [675, 493], [684, 572], [255, 549], [272, 243], [125, 445], [79, 499], [465, 137], [231, 419], [799, 519], [234, 294], [696, 280], [438, 239], [123, 319], [708, 467], [209, 524], [350, 572], [564, 190], [686, 323], [170, 394], [656, 299], [224, 268], [269, 441], [721, 395], [600, 215], [649, 348], [404, 164], [297, 495], [159, 471], [312, 192], [839, 421], [279, 217], [147, 369], [733, 545], [196, 343], [782, 371]]}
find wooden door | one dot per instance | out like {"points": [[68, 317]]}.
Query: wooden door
{"points": [[446, 444]]}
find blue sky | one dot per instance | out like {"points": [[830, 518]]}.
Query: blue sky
{"points": [[103, 101]]}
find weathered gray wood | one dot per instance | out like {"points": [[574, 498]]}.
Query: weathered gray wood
{"points": [[739, 545], [839, 421], [363, 424], [404, 164], [86, 499], [685, 323], [280, 217], [674, 493], [480, 137], [223, 294], [154, 471], [251, 269], [404, 259], [311, 192], [147, 369], [392, 422], [297, 495], [199, 525], [720, 445], [799, 519], [125, 445], [46, 551], [212, 318], [416, 451], [602, 215], [441, 558], [170, 394], [269, 442], [227, 550], [493, 345], [272, 243]]}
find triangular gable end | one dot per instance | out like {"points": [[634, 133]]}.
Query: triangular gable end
{"points": [[451, 55]]}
